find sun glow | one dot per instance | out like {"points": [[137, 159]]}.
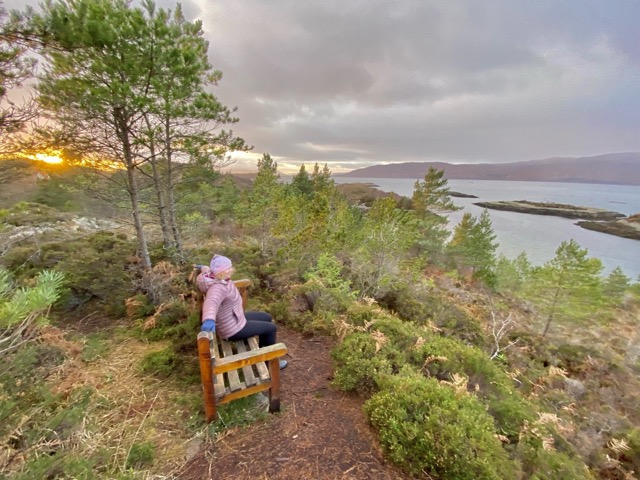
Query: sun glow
{"points": [[48, 157]]}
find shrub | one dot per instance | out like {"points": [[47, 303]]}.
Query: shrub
{"points": [[574, 358], [165, 323], [357, 367], [26, 213], [423, 306], [430, 430], [358, 314], [139, 306], [631, 457], [541, 461], [95, 269], [442, 357]]}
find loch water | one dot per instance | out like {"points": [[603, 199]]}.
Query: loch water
{"points": [[540, 235]]}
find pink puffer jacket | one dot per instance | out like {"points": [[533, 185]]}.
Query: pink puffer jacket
{"points": [[222, 303]]}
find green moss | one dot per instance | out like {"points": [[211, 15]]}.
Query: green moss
{"points": [[140, 455], [162, 363]]}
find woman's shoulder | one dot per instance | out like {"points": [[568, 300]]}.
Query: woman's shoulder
{"points": [[205, 282]]}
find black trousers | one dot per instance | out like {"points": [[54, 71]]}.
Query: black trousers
{"points": [[258, 323]]}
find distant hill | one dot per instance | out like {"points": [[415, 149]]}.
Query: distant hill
{"points": [[613, 168]]}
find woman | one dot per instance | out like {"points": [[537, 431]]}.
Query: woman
{"points": [[222, 310]]}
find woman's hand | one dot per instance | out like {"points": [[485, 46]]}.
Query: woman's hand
{"points": [[208, 325]]}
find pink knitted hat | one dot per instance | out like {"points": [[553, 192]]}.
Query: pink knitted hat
{"points": [[219, 264]]}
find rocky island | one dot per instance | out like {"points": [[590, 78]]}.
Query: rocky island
{"points": [[462, 195], [556, 209], [626, 227]]}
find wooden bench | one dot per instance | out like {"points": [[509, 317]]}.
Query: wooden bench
{"points": [[232, 370]]}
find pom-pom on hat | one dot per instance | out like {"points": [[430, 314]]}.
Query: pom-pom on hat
{"points": [[219, 264]]}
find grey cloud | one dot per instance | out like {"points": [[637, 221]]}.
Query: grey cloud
{"points": [[378, 81]]}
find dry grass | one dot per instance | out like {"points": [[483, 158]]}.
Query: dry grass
{"points": [[127, 408]]}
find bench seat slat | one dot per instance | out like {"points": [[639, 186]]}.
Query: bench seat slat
{"points": [[263, 371], [232, 375], [249, 377]]}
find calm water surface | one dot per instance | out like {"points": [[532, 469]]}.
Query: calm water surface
{"points": [[540, 235]]}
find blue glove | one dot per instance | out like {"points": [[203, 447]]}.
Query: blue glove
{"points": [[208, 326]]}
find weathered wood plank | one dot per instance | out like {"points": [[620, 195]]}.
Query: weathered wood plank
{"points": [[215, 353], [263, 371], [249, 377], [206, 375], [231, 396], [274, 392], [240, 359], [232, 375]]}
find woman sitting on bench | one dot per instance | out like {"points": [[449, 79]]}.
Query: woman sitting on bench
{"points": [[222, 310]]}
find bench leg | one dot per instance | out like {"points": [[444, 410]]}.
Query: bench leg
{"points": [[274, 391], [206, 374]]}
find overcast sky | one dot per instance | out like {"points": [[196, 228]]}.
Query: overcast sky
{"points": [[356, 83]]}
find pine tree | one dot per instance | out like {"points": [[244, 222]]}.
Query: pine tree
{"points": [[384, 244], [568, 287], [615, 286], [301, 183], [473, 246], [430, 200], [261, 211], [512, 275], [15, 68], [432, 194]]}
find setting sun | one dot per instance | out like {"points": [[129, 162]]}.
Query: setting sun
{"points": [[45, 157]]}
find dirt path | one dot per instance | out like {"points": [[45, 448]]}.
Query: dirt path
{"points": [[320, 434]]}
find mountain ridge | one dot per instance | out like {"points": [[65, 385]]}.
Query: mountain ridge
{"points": [[611, 168]]}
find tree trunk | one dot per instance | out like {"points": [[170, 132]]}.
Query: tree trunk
{"points": [[553, 311], [157, 183], [137, 219], [175, 231], [123, 133]]}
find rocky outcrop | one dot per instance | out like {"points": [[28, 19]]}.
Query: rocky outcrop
{"points": [[461, 195], [555, 209], [625, 227]]}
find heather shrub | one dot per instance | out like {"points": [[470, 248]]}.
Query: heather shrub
{"points": [[443, 357], [27, 213], [541, 460], [423, 306], [631, 456], [95, 269], [359, 314], [357, 365], [167, 320], [430, 429]]}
